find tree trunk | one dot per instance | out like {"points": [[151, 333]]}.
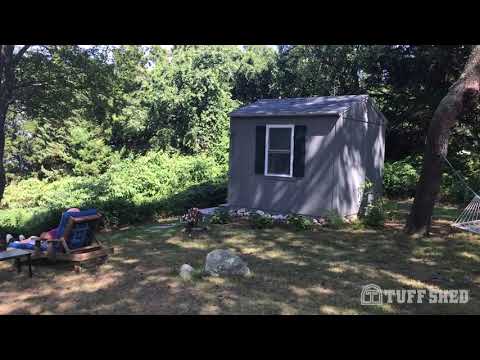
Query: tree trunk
{"points": [[3, 115], [8, 63], [6, 87], [453, 105]]}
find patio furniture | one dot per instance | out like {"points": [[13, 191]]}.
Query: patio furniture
{"points": [[75, 240], [17, 255]]}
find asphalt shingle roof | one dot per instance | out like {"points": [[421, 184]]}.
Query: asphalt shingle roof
{"points": [[321, 105]]}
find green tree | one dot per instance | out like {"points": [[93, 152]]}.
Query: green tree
{"points": [[408, 82], [321, 70], [459, 98], [59, 84], [256, 74], [201, 81], [9, 85]]}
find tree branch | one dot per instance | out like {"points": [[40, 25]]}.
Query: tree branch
{"points": [[28, 84]]}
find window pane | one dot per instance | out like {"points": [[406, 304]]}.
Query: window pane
{"points": [[279, 138], [279, 163]]}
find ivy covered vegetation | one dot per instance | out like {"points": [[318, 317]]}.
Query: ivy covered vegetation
{"points": [[139, 131]]}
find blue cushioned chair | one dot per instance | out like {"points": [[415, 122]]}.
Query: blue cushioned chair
{"points": [[75, 240]]}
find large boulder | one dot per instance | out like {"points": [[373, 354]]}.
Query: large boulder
{"points": [[225, 262]]}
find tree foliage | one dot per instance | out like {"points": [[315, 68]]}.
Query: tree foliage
{"points": [[78, 111]]}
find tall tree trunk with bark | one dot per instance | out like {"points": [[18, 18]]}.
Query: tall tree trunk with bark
{"points": [[6, 57], [3, 115], [8, 62], [453, 105]]}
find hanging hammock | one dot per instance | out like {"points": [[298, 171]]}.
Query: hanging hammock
{"points": [[469, 219]]}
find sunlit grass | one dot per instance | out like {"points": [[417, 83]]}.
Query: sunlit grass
{"points": [[319, 272]]}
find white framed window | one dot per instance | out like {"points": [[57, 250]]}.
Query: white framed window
{"points": [[279, 150]]}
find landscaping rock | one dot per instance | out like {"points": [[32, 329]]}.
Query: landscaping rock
{"points": [[319, 221], [208, 211], [279, 218], [351, 219], [243, 212], [224, 262], [186, 272]]}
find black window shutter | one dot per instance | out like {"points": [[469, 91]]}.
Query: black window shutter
{"points": [[299, 151], [260, 149]]}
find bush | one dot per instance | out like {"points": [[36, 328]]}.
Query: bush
{"points": [[375, 214], [334, 220], [454, 189], [258, 221], [201, 196], [28, 221], [300, 222], [400, 177], [131, 191], [220, 216]]}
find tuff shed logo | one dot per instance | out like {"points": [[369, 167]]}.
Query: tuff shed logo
{"points": [[371, 295], [374, 295]]}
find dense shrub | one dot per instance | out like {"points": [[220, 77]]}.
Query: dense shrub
{"points": [[131, 191], [220, 216], [375, 214], [201, 196], [334, 220], [300, 222], [453, 189], [28, 221], [400, 177], [258, 221]]}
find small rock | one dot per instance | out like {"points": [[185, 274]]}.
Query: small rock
{"points": [[186, 272]]}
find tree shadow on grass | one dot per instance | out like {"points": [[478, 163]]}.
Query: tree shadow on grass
{"points": [[293, 273], [337, 266]]}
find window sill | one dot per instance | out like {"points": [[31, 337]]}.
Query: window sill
{"points": [[278, 178]]}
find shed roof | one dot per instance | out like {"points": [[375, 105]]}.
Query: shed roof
{"points": [[321, 105]]}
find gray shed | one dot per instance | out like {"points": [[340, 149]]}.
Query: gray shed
{"points": [[306, 155]]}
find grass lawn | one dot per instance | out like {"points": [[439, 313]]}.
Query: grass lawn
{"points": [[319, 272]]}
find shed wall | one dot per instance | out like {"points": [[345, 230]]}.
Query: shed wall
{"points": [[310, 195], [350, 165], [362, 133]]}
